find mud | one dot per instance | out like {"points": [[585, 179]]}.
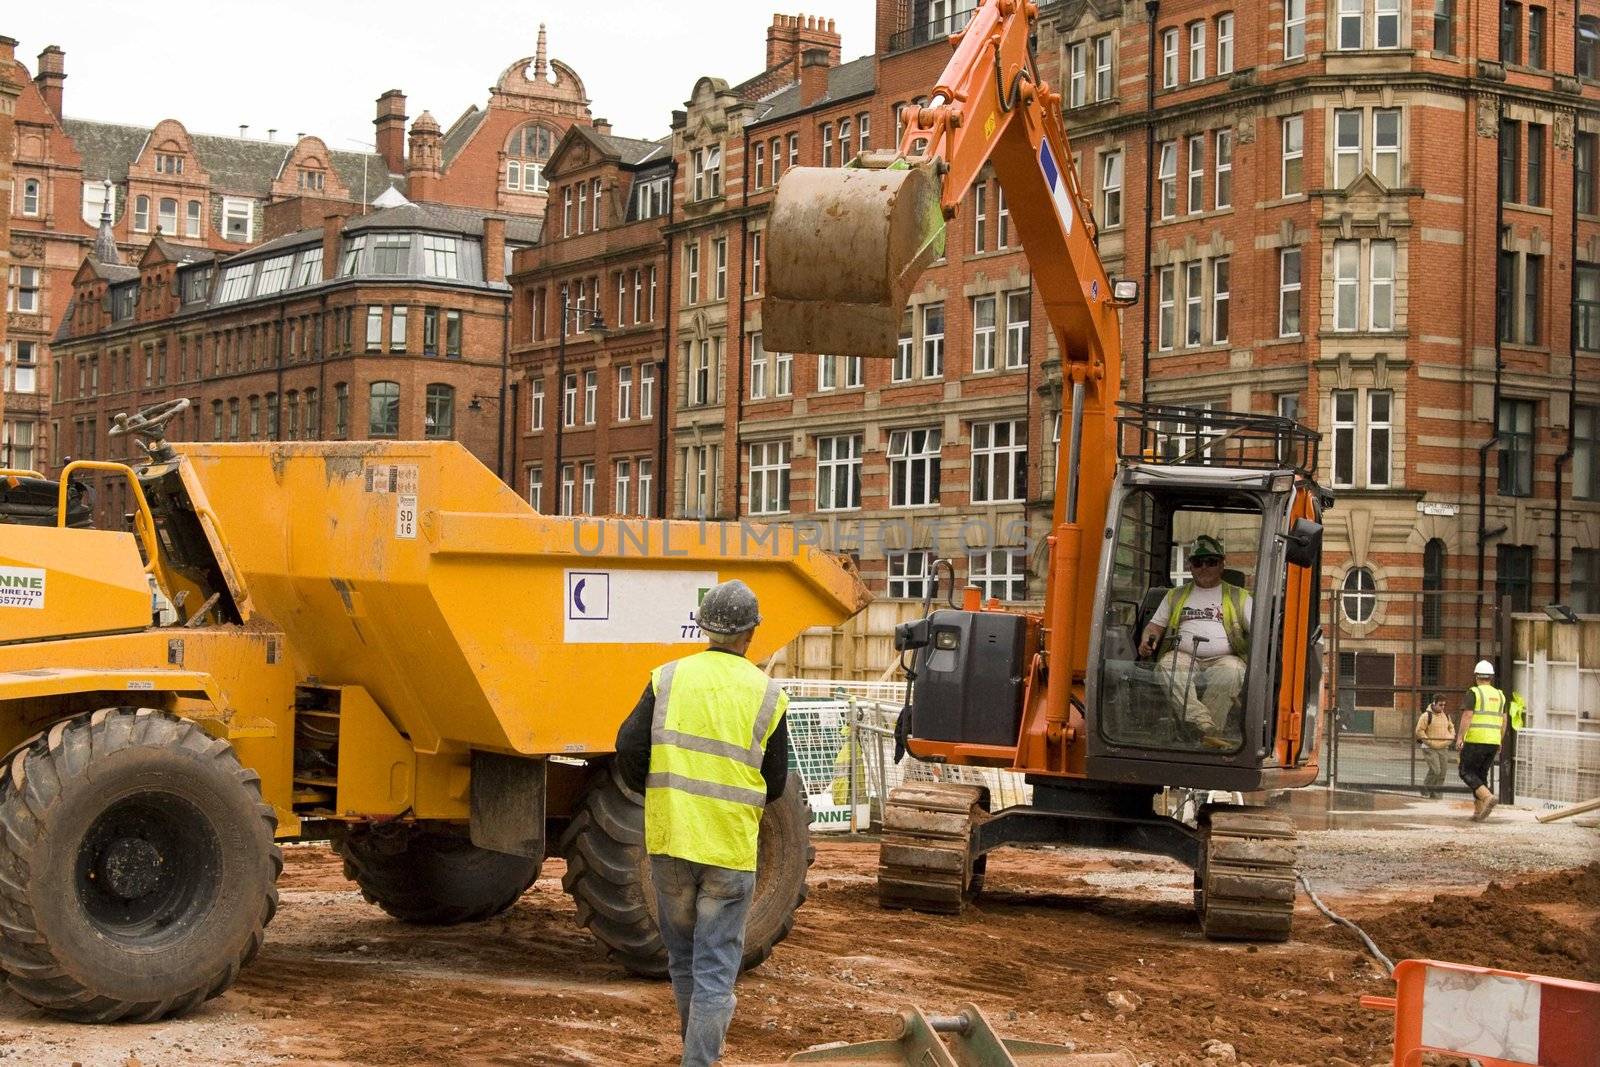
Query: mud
{"points": [[1054, 936]]}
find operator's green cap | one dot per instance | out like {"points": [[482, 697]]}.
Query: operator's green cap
{"points": [[1206, 547]]}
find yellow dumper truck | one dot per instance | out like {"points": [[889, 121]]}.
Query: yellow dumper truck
{"points": [[377, 644]]}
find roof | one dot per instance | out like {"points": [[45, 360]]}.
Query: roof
{"points": [[113, 272], [441, 217], [183, 255], [460, 132], [278, 244], [855, 78], [239, 165], [631, 151]]}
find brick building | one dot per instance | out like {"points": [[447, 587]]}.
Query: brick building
{"points": [[9, 90], [392, 324]]}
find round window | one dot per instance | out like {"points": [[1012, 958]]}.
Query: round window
{"points": [[1360, 594]]}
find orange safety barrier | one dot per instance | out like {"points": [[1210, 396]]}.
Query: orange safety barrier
{"points": [[1504, 1018]]}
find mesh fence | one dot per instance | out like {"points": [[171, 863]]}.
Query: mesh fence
{"points": [[1557, 766]]}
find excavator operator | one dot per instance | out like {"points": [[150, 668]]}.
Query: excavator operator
{"points": [[1202, 634]]}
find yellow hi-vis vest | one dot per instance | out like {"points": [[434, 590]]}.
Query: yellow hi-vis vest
{"points": [[1488, 716], [704, 795], [1232, 614]]}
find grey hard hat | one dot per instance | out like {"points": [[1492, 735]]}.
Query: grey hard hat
{"points": [[729, 608]]}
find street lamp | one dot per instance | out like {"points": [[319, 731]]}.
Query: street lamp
{"points": [[597, 325]]}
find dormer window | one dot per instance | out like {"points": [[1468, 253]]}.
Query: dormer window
{"points": [[166, 163], [526, 154], [707, 172], [312, 180]]}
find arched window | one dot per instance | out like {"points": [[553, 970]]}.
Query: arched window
{"points": [[1360, 596], [141, 214], [439, 421], [383, 410], [1587, 60], [1433, 560], [526, 154], [191, 222], [167, 219], [30, 196], [311, 416]]}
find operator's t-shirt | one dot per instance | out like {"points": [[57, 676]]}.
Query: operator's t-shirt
{"points": [[1200, 629]]}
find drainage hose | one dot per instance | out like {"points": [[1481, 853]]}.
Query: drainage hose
{"points": [[1377, 953]]}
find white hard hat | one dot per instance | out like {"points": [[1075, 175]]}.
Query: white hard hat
{"points": [[1484, 667]]}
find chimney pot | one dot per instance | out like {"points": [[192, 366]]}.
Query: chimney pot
{"points": [[391, 134], [52, 73]]}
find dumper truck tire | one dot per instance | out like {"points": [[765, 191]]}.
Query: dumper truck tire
{"points": [[137, 866], [608, 874], [433, 877]]}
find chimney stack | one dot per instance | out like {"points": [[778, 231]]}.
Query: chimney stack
{"points": [[813, 76], [391, 124], [791, 36], [332, 227], [602, 126], [494, 249], [52, 73]]}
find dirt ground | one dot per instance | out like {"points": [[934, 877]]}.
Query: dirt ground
{"points": [[1099, 949]]}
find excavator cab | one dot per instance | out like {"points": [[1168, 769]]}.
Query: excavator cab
{"points": [[1197, 670]]}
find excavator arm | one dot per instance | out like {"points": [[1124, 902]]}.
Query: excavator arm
{"points": [[846, 247]]}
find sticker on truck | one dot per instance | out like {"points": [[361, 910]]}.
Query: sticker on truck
{"points": [[390, 478], [405, 518], [1060, 194], [21, 587], [634, 606]]}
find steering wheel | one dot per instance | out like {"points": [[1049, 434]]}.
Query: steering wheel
{"points": [[151, 421]]}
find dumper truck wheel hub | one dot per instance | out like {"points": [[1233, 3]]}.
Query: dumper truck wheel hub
{"points": [[145, 866]]}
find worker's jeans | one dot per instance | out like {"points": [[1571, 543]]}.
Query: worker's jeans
{"points": [[1476, 761], [702, 911], [1438, 759], [1221, 677]]}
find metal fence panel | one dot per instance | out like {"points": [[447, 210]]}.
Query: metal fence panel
{"points": [[1557, 767]]}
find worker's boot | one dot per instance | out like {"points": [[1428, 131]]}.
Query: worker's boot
{"points": [[1489, 802], [1479, 796]]}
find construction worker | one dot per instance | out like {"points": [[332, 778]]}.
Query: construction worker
{"points": [[1202, 634], [1483, 727], [1435, 733], [708, 747]]}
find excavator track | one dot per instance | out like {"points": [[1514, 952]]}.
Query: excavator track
{"points": [[1245, 884], [925, 861]]}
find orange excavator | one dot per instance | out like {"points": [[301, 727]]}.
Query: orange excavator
{"points": [[1108, 701]]}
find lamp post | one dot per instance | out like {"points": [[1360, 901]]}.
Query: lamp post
{"points": [[597, 325]]}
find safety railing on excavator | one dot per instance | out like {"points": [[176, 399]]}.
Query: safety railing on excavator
{"points": [[1162, 434]]}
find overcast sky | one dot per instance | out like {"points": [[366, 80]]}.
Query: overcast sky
{"points": [[290, 65]]}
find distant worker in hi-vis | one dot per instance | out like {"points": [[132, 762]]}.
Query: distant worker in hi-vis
{"points": [[708, 747], [1483, 727]]}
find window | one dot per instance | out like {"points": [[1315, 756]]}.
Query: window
{"points": [[900, 371], [769, 477], [647, 391], [440, 256], [1444, 26], [17, 444], [1223, 191], [383, 409], [439, 420], [1589, 307], [536, 488], [1351, 17], [141, 214], [755, 263], [1510, 161], [1536, 36], [391, 253], [1168, 176], [707, 171], [1513, 575], [853, 367], [1586, 55], [783, 374], [1379, 403], [647, 498], [1386, 16], [374, 327], [1510, 32], [30, 204], [1103, 89], [1360, 596], [1505, 308], [1346, 283], [1197, 51], [274, 275], [591, 396], [1535, 192], [983, 333], [794, 151], [999, 462], [1018, 340], [1289, 292], [1225, 44], [1293, 152], [1001, 573], [1381, 282], [650, 197], [24, 295], [594, 203], [191, 219], [1585, 598], [452, 334], [567, 226], [1111, 190], [839, 472], [1294, 29], [914, 468], [536, 405], [827, 144], [1194, 296], [167, 216], [761, 164], [908, 574], [933, 340], [569, 400], [1584, 149], [719, 259], [238, 219], [526, 154], [624, 394], [1169, 58], [863, 132], [758, 368], [1078, 73], [568, 487], [1221, 299], [827, 373], [1532, 298], [1346, 147], [1386, 146], [1197, 174], [588, 489], [622, 472], [980, 216], [398, 316], [1166, 319], [310, 268], [1433, 564], [691, 272], [341, 409], [1516, 447], [700, 371]]}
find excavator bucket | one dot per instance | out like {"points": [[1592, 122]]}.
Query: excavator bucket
{"points": [[844, 249]]}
